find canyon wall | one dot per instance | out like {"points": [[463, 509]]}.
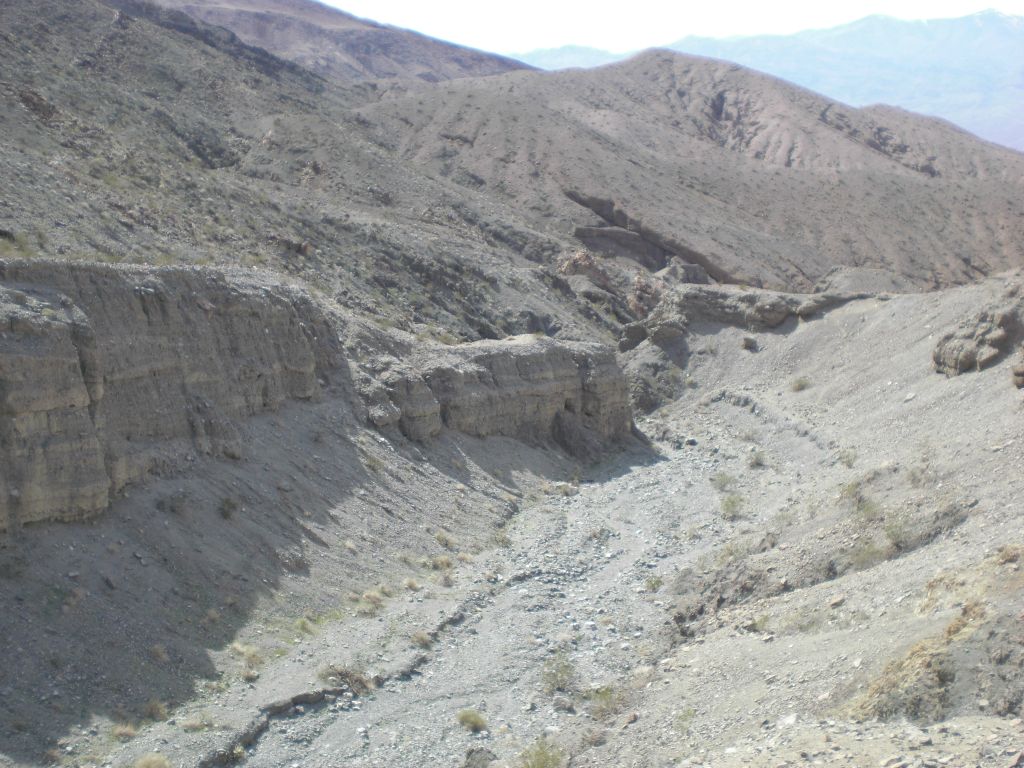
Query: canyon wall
{"points": [[529, 388], [109, 374]]}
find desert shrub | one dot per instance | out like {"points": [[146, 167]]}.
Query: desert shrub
{"points": [[249, 654], [152, 760], [732, 506], [336, 674], [800, 384], [441, 563], [604, 701], [422, 639], [472, 720], [228, 507], [124, 731], [558, 674], [542, 754]]}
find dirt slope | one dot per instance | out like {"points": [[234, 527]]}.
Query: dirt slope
{"points": [[340, 46]]}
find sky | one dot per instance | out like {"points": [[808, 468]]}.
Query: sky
{"points": [[526, 25]]}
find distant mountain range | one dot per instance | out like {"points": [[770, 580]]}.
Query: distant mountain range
{"points": [[968, 70]]}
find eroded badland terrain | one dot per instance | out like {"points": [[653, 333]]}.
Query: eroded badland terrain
{"points": [[369, 401]]}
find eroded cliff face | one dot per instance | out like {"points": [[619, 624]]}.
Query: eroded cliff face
{"points": [[110, 374], [533, 389]]}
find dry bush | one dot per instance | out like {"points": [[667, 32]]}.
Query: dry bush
{"points": [[472, 720], [605, 701], [445, 540], [152, 760], [542, 754], [155, 710], [732, 507], [336, 674], [249, 654], [422, 639], [202, 722], [558, 674], [441, 563], [124, 731]]}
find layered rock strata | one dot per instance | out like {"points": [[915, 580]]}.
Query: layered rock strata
{"points": [[109, 374], [532, 389]]}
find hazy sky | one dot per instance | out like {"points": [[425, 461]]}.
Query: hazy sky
{"points": [[525, 25]]}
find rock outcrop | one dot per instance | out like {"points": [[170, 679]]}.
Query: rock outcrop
{"points": [[979, 342], [655, 348], [533, 389], [109, 374]]}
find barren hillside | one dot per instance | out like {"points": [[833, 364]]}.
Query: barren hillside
{"points": [[744, 173], [340, 46]]}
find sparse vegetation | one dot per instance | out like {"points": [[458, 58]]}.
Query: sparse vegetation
{"points": [[558, 673], [124, 731], [441, 563], [335, 674], [684, 720], [723, 481], [155, 710], [732, 506], [1009, 553], [605, 701], [202, 722], [228, 507], [542, 754], [848, 457], [412, 585], [800, 384], [445, 540], [249, 654], [472, 720], [653, 583], [422, 639], [756, 460]]}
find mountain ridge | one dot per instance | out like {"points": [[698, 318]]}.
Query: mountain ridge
{"points": [[881, 59], [336, 44]]}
